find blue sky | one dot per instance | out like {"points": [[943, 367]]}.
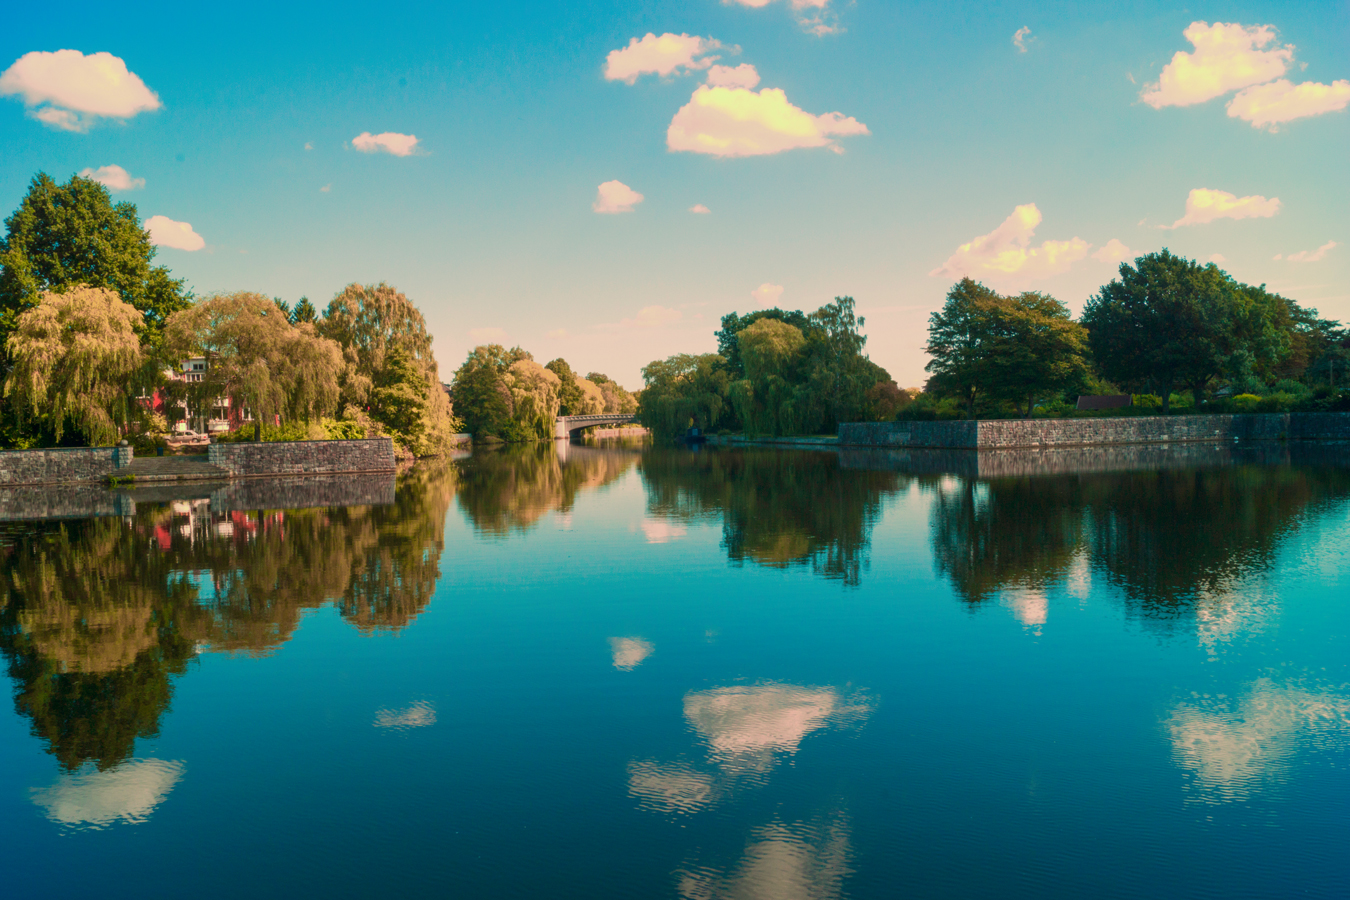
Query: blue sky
{"points": [[490, 222]]}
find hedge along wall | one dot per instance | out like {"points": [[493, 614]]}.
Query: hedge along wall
{"points": [[245, 460], [990, 435], [61, 465]]}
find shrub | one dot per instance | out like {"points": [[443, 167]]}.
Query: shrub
{"points": [[1246, 402]]}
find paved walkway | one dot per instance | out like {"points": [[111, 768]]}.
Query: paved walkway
{"points": [[171, 468]]}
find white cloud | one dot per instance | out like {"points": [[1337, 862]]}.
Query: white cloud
{"points": [[742, 76], [1006, 251], [165, 232], [1217, 258], [628, 653], [814, 16], [767, 294], [669, 54], [128, 793], [114, 178], [70, 91], [1227, 57], [388, 142], [326, 188], [417, 715], [1270, 105], [700, 209], [653, 317], [1309, 255], [725, 121], [487, 335], [308, 145], [1019, 38], [558, 334], [659, 531], [615, 197], [1204, 205], [1113, 252]]}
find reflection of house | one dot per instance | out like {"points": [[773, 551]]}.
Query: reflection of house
{"points": [[218, 416]]}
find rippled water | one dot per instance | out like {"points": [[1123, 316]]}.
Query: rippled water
{"points": [[624, 672]]}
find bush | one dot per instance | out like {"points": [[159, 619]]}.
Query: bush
{"points": [[1246, 402], [1147, 401], [322, 430]]}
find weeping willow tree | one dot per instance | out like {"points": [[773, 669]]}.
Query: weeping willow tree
{"points": [[76, 360], [255, 357], [534, 395]]}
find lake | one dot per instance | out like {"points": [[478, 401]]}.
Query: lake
{"points": [[613, 671]]}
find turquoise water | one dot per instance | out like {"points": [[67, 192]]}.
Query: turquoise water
{"points": [[627, 672]]}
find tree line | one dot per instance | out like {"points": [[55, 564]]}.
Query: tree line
{"points": [[1165, 328], [775, 372], [89, 326], [504, 395]]}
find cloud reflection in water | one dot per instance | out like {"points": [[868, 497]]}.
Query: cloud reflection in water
{"points": [[128, 793]]}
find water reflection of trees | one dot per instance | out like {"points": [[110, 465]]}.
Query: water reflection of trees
{"points": [[511, 487], [1167, 540], [97, 616], [777, 509]]}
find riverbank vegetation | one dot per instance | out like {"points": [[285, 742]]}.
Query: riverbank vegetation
{"points": [[504, 395], [93, 337]]}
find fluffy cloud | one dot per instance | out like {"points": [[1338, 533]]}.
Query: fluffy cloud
{"points": [[1226, 58], [814, 16], [653, 317], [725, 121], [1217, 258], [1270, 105], [668, 54], [487, 335], [1309, 255], [700, 209], [767, 294], [165, 232], [1204, 206], [1007, 251], [114, 178], [1113, 252], [742, 76], [70, 91], [389, 142], [615, 197], [1020, 38]]}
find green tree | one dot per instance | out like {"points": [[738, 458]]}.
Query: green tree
{"points": [[255, 357], [728, 346], [483, 399], [370, 322], [76, 360], [614, 398], [1038, 350], [304, 312], [399, 398], [63, 235], [683, 391], [769, 398], [958, 335], [570, 395], [840, 373], [534, 400], [1166, 322]]}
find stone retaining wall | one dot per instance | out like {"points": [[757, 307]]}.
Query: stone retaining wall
{"points": [[61, 465], [246, 460], [988, 435]]}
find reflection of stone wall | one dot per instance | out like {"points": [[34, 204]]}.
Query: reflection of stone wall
{"points": [[1080, 432], [70, 501], [60, 465], [1063, 460], [304, 493], [303, 457]]}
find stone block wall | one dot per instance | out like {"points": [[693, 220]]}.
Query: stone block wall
{"points": [[58, 466], [303, 457], [988, 435]]}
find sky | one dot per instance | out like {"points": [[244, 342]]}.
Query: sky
{"points": [[604, 181]]}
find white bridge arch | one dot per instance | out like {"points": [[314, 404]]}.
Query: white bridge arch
{"points": [[569, 425]]}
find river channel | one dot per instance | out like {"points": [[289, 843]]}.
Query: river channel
{"points": [[636, 672]]}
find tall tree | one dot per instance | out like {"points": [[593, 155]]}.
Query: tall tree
{"points": [[732, 325], [255, 357], [483, 399], [681, 391], [63, 235], [369, 322], [570, 394], [76, 359], [957, 338], [1167, 322], [1037, 349], [304, 312]]}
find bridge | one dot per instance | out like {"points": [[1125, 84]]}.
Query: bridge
{"points": [[569, 426]]}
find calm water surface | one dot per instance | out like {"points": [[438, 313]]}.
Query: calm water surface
{"points": [[642, 673]]}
